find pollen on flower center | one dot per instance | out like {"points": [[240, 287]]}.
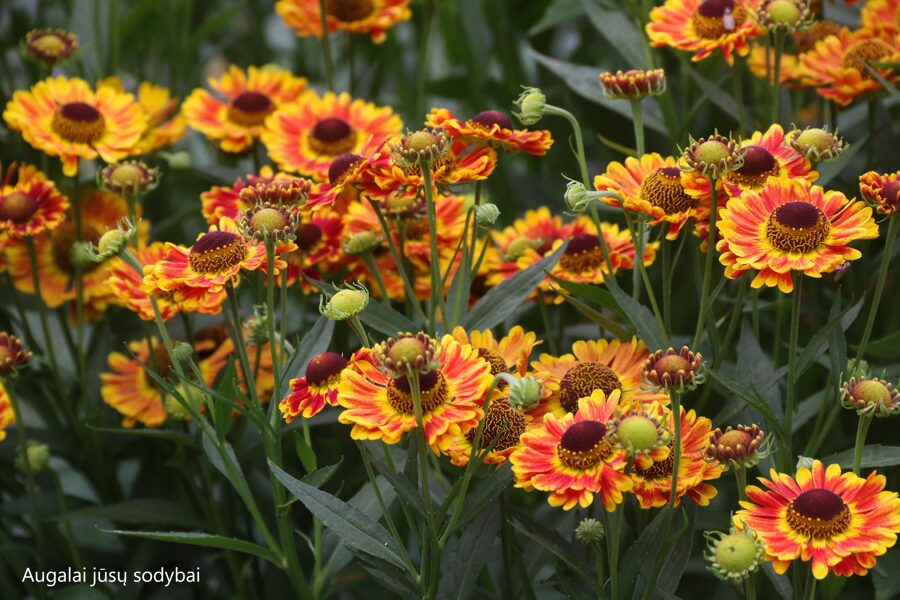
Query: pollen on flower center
{"points": [[433, 389], [582, 254], [50, 44], [715, 18], [662, 188], [759, 164], [582, 380], [734, 439], [325, 367], [250, 109], [340, 165], [497, 363], [78, 122], [797, 227], [18, 207], [217, 251], [308, 235], [332, 137], [583, 445], [348, 11], [661, 469], [489, 118], [64, 237], [865, 51], [871, 392], [818, 513], [503, 422]]}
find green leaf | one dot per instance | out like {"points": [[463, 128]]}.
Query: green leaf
{"points": [[713, 92], [817, 344], [350, 524], [486, 490], [637, 556], [159, 434], [464, 558], [748, 397], [884, 579], [389, 576], [597, 317], [385, 319], [502, 301], [320, 477], [221, 411], [314, 341], [401, 484], [872, 456], [593, 293], [885, 347], [157, 511], [227, 465], [554, 543], [558, 11], [781, 583], [202, 539], [613, 24], [641, 317], [754, 365], [676, 561]]}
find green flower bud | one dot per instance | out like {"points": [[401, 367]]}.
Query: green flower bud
{"points": [[590, 531], [525, 392], [531, 103], [37, 455], [345, 303], [486, 214]]}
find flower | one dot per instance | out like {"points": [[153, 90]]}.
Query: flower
{"points": [[130, 389], [531, 104], [344, 172], [737, 446], [537, 230], [790, 226], [51, 46], [734, 556], [839, 522], [318, 237], [269, 222], [815, 143], [319, 386], [13, 355], [837, 66], [639, 430], [510, 353], [7, 416], [653, 483], [503, 427], [307, 135], [872, 397], [128, 286], [370, 17], [344, 303], [66, 118], [573, 457], [220, 201], [785, 15], [130, 177], [165, 123], [881, 191], [197, 278], [669, 369], [652, 185], [633, 84], [30, 204], [381, 407], [590, 531], [881, 16], [712, 156], [235, 117], [704, 26], [606, 365], [491, 128]]}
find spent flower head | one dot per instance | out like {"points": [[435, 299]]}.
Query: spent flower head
{"points": [[741, 445], [361, 242], [268, 222], [50, 46], [641, 434], [13, 355], [633, 84], [590, 531], [344, 303], [425, 145], [786, 15], [871, 397], [407, 352], [530, 104], [816, 143], [713, 156], [733, 556], [674, 370], [131, 177]]}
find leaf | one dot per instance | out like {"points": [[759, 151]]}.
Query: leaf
{"points": [[160, 434], [556, 12], [486, 490], [781, 583], [314, 341], [624, 38], [885, 580], [873, 456], [676, 561], [230, 470], [503, 300], [202, 539], [593, 293], [885, 347], [713, 92], [320, 477], [816, 345], [401, 484], [636, 558], [828, 170], [157, 511], [350, 524], [385, 319], [641, 317], [221, 411], [464, 559], [389, 576], [754, 365], [554, 543], [748, 397]]}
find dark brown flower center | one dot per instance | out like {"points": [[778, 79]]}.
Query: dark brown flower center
{"points": [[18, 207], [489, 118], [250, 109], [582, 254], [818, 513], [583, 445], [498, 365], [308, 235], [348, 11], [891, 193], [332, 137], [715, 18], [64, 237], [582, 380], [865, 52], [78, 122], [759, 164], [217, 251], [797, 227], [324, 367], [661, 469], [341, 165], [662, 188], [502, 422], [432, 387]]}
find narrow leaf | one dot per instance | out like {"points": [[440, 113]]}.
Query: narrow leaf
{"points": [[202, 539]]}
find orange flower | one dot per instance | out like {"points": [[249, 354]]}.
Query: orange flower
{"points": [[306, 136], [537, 230], [165, 124], [790, 226], [381, 407], [704, 26], [235, 118], [573, 456], [881, 16], [30, 204], [504, 425], [129, 389], [491, 128], [882, 191], [837, 65], [606, 365], [652, 185], [653, 484], [510, 353], [319, 236], [221, 201], [7, 416], [128, 286], [369, 17], [319, 386], [64, 117], [839, 522]]}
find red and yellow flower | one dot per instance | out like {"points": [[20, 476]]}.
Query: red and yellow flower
{"points": [[503, 427], [235, 116], [881, 16], [165, 123], [882, 191], [652, 185], [368, 17], [704, 26], [30, 204], [839, 522], [790, 226], [221, 201], [537, 230], [306, 136], [573, 457], [836, 67], [316, 389], [510, 353], [128, 286], [381, 407], [653, 483], [606, 365], [7, 416], [318, 239], [130, 389], [66, 118], [491, 128]]}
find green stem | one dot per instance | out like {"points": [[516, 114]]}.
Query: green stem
{"points": [[49, 346], [437, 288], [64, 516], [637, 116], [740, 476], [893, 229], [239, 345], [776, 78], [376, 274], [359, 330], [430, 540], [862, 430], [666, 251], [792, 368], [270, 318], [549, 330], [707, 269], [79, 289], [579, 141], [615, 533], [326, 45]]}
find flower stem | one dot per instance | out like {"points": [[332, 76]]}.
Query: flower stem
{"points": [[776, 78], [637, 117], [42, 311], [376, 274], [437, 288], [792, 367], [326, 46], [707, 269], [862, 430], [740, 476], [615, 532], [893, 229], [430, 540], [738, 90]]}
